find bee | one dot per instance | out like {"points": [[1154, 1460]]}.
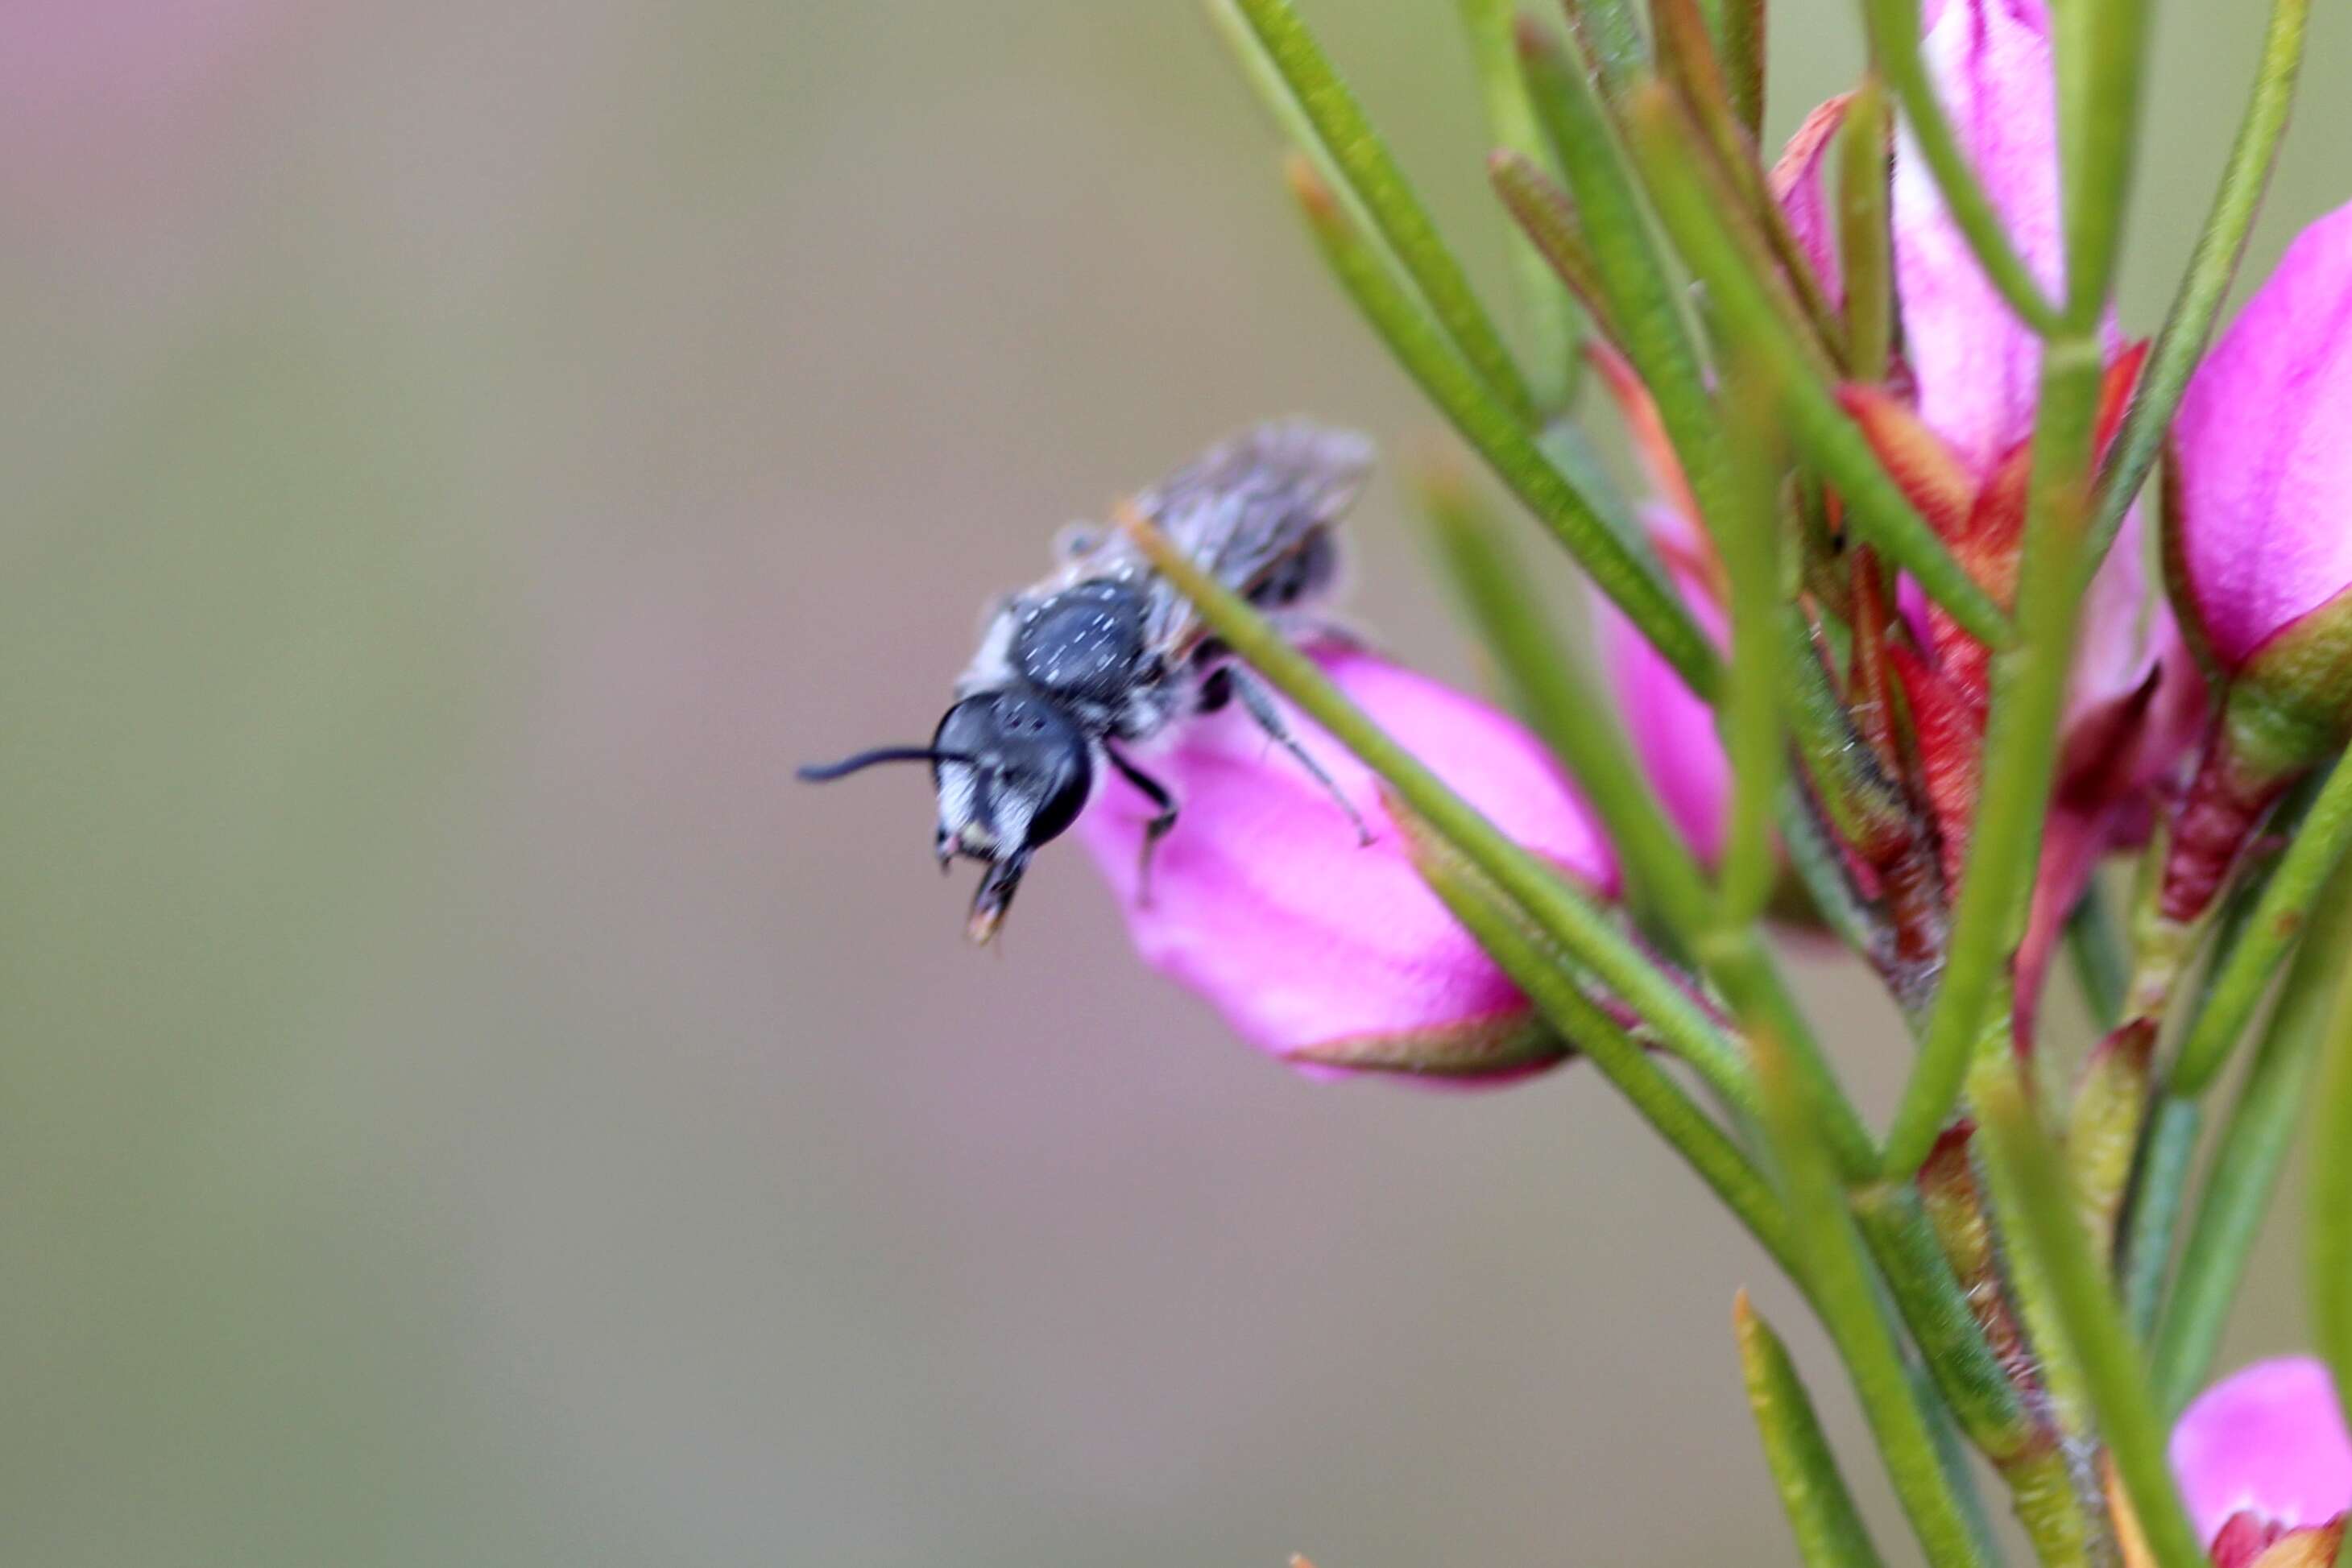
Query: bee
{"points": [[1104, 659]]}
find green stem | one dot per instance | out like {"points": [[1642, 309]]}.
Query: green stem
{"points": [[1686, 57], [2328, 1202], [1749, 540], [2232, 994], [2020, 750], [1829, 1530], [1546, 684], [1743, 62], [1663, 877], [1895, 46], [1542, 971], [1876, 508], [2222, 245], [2166, 1154], [1566, 916], [1848, 1305], [1644, 304], [2253, 1149], [1635, 586], [1511, 123], [2089, 1317], [2102, 53], [1865, 239], [1371, 172], [1547, 221]]}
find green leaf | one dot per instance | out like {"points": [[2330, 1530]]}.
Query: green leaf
{"points": [[1895, 48], [1830, 1533], [2046, 1225], [1847, 1302], [1370, 171], [1629, 579], [1550, 315]]}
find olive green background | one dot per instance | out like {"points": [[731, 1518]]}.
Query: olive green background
{"points": [[462, 1103]]}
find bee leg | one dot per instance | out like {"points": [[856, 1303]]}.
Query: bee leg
{"points": [[1259, 704], [1153, 790]]}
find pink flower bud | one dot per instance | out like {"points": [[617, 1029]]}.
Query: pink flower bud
{"points": [[2262, 1455], [1330, 953], [2260, 535], [2258, 554]]}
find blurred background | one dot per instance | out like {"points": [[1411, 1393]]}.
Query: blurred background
{"points": [[461, 1102]]}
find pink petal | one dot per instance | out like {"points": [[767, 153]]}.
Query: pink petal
{"points": [[2265, 465], [1673, 732], [1803, 194], [1264, 901], [2269, 1438], [1975, 363]]}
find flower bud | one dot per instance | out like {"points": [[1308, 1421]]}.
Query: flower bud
{"points": [[2258, 554], [2265, 1465], [1330, 953]]}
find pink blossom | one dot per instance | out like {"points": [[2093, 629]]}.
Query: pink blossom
{"points": [[1331, 954], [2261, 1456], [2260, 534]]}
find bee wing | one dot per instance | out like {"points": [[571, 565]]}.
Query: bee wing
{"points": [[1246, 508]]}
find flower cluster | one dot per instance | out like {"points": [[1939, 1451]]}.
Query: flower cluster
{"points": [[1894, 649]]}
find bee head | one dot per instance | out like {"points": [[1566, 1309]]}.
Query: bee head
{"points": [[1011, 771]]}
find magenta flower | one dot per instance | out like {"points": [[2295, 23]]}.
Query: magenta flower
{"points": [[1955, 432], [2265, 1465], [2259, 554], [2264, 472], [1331, 954]]}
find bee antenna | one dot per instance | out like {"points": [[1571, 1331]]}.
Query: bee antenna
{"points": [[825, 773]]}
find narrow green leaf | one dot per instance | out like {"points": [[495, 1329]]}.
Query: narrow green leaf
{"points": [[2102, 56], [2166, 1154], [1633, 583], [2236, 991], [2253, 1148], [1847, 1302], [1547, 220], [1895, 49], [1748, 541], [2328, 1202], [2220, 245], [1876, 508], [1542, 971], [1550, 315], [1743, 47], [1687, 58], [1573, 717], [2020, 751], [2046, 1223], [1635, 279], [1865, 235], [1371, 172], [1830, 1533], [1608, 34]]}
